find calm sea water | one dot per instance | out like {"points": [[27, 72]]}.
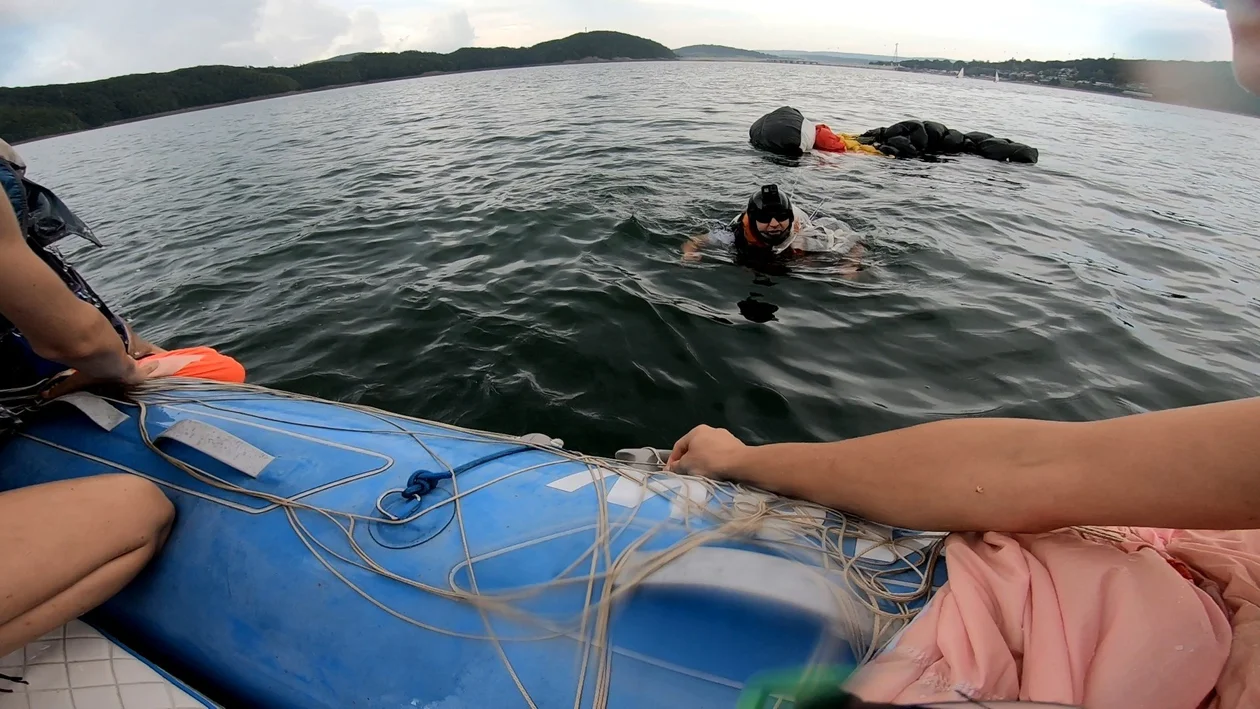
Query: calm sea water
{"points": [[501, 250]]}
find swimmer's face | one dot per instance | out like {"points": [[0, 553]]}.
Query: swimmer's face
{"points": [[1244, 24], [774, 227]]}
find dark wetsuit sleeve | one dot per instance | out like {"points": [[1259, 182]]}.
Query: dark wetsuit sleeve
{"points": [[79, 286]]}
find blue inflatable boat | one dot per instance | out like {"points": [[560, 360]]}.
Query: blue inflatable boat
{"points": [[328, 555]]}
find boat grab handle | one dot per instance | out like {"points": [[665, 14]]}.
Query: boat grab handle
{"points": [[218, 444]]}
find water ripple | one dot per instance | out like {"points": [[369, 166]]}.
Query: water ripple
{"points": [[501, 250]]}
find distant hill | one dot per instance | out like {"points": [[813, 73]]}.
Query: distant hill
{"points": [[35, 111], [832, 57], [340, 58], [717, 51]]}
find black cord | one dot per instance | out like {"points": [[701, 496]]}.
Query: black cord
{"points": [[972, 700], [15, 680]]}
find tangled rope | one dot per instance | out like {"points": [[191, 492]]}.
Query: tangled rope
{"points": [[862, 587]]}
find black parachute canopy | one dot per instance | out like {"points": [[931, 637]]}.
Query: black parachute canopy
{"points": [[917, 139], [780, 132], [785, 131]]}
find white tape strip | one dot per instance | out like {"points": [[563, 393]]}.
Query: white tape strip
{"points": [[630, 490], [577, 481], [220, 445], [101, 412]]}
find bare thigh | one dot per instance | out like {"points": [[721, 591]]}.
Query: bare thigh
{"points": [[53, 535]]}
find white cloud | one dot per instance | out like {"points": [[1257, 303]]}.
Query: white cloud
{"points": [[433, 32], [962, 29], [294, 31], [1159, 29], [364, 34], [84, 39], [75, 40]]}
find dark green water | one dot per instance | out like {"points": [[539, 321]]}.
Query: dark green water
{"points": [[500, 250]]}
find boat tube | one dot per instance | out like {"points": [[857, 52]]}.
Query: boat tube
{"points": [[332, 555]]}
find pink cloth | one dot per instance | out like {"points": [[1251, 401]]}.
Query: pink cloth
{"points": [[1062, 618], [1229, 563]]}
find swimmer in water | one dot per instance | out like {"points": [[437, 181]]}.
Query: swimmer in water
{"points": [[771, 228]]}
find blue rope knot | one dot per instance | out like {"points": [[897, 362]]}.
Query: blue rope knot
{"points": [[422, 483]]}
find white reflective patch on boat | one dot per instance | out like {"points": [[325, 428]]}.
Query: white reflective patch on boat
{"points": [[577, 481], [101, 412], [220, 445], [630, 490]]}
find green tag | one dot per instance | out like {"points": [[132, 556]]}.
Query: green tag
{"points": [[795, 686]]}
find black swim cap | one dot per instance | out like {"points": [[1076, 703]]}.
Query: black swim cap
{"points": [[767, 204]]}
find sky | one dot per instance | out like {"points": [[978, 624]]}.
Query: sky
{"points": [[57, 41]]}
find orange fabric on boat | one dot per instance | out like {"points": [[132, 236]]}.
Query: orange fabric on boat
{"points": [[205, 363]]}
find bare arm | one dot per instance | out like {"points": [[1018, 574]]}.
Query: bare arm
{"points": [[59, 326], [1193, 468], [691, 247]]}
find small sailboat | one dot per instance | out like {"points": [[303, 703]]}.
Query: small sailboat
{"points": [[995, 76], [961, 72]]}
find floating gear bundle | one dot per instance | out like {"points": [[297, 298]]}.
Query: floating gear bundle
{"points": [[786, 131], [917, 139]]}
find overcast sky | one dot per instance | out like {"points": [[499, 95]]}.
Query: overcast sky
{"points": [[52, 41]]}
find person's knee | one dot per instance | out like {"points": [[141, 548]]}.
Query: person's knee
{"points": [[148, 511]]}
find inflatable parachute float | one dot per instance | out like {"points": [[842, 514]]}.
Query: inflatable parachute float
{"points": [[786, 131]]}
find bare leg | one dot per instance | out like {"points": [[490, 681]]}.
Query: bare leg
{"points": [[66, 547]]}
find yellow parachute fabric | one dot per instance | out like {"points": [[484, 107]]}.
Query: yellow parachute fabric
{"points": [[851, 145], [829, 141]]}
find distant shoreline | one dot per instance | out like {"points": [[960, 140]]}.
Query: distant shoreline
{"points": [[1116, 94], [970, 78], [591, 61], [300, 92]]}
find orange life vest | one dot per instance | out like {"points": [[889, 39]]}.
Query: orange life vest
{"points": [[750, 239]]}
